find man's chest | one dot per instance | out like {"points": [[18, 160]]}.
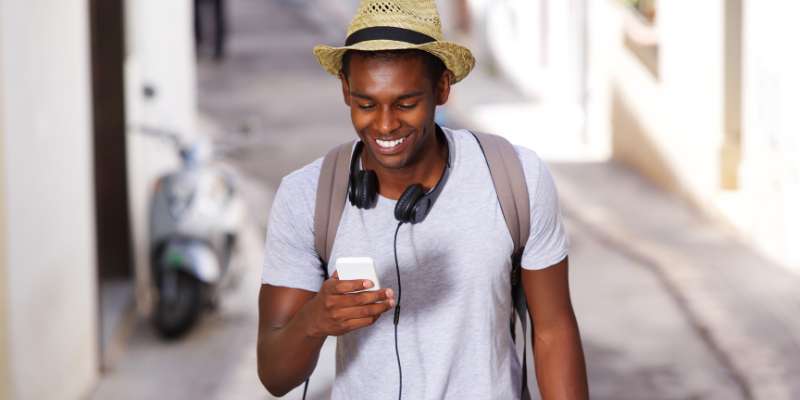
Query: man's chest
{"points": [[462, 246]]}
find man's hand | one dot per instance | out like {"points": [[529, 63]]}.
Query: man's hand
{"points": [[294, 323], [335, 310]]}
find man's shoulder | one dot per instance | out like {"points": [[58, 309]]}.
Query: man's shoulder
{"points": [[305, 177], [299, 187], [529, 158], [531, 162]]}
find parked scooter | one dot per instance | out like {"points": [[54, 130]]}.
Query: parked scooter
{"points": [[195, 215]]}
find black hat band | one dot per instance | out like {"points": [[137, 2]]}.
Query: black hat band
{"points": [[388, 33]]}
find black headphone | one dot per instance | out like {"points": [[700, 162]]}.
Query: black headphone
{"points": [[412, 206]]}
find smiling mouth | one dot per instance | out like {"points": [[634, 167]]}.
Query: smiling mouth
{"points": [[390, 144]]}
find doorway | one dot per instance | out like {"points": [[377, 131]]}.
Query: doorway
{"points": [[114, 254]]}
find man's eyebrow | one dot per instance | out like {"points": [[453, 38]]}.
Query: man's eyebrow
{"points": [[402, 97], [357, 94]]}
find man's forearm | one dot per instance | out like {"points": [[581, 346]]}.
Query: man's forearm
{"points": [[287, 355], [560, 365]]}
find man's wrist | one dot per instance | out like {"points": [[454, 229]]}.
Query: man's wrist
{"points": [[306, 325]]}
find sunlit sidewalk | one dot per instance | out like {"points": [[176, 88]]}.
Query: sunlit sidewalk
{"points": [[741, 305]]}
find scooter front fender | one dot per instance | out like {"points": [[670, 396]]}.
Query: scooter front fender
{"points": [[194, 257]]}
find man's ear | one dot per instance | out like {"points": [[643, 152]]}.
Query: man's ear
{"points": [[443, 88], [345, 88]]}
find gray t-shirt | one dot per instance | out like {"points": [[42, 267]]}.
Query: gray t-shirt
{"points": [[453, 334]]}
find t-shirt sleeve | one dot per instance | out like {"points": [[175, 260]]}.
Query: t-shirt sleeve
{"points": [[548, 243], [290, 258]]}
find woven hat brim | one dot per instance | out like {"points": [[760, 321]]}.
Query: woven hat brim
{"points": [[458, 59]]}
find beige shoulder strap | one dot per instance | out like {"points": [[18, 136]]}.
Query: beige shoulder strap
{"points": [[510, 185], [331, 197]]}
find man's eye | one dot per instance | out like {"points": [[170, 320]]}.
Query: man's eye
{"points": [[366, 106], [407, 106]]}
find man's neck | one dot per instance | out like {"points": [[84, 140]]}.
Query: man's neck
{"points": [[427, 169]]}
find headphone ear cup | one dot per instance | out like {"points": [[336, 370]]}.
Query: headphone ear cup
{"points": [[363, 189], [351, 194], [368, 195], [404, 209]]}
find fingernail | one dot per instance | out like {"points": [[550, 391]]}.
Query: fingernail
{"points": [[367, 284], [389, 293], [391, 302]]}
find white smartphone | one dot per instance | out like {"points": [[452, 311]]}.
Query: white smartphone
{"points": [[351, 268]]}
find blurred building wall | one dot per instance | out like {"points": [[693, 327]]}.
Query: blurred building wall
{"points": [[48, 282], [539, 47], [699, 102], [5, 370], [48, 274], [160, 92], [667, 123], [536, 44], [767, 203]]}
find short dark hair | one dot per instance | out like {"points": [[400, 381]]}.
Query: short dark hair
{"points": [[433, 64]]}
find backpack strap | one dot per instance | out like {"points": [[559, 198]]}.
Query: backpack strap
{"points": [[510, 185], [508, 177], [331, 196]]}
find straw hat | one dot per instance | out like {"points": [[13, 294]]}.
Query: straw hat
{"points": [[395, 25]]}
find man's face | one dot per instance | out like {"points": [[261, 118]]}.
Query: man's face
{"points": [[392, 104]]}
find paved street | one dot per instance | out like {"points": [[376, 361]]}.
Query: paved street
{"points": [[668, 305]]}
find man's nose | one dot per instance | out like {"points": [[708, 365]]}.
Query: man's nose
{"points": [[387, 122]]}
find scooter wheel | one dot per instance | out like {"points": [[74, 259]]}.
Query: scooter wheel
{"points": [[178, 306]]}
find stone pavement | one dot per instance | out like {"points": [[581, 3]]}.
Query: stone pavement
{"points": [[665, 301], [743, 306]]}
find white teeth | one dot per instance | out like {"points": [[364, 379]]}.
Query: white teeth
{"points": [[386, 144]]}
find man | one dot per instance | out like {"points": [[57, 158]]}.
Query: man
{"points": [[219, 21], [452, 339]]}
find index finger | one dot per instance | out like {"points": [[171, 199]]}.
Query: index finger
{"points": [[342, 287]]}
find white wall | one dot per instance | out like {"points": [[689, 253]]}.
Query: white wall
{"points": [[770, 171], [5, 370], [680, 112], [692, 66], [539, 53], [48, 198], [160, 53]]}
